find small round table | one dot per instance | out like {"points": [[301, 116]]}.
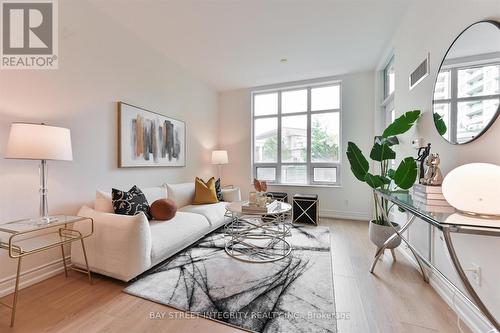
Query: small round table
{"points": [[258, 237]]}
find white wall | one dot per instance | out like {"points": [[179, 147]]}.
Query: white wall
{"points": [[432, 28], [100, 63], [352, 198]]}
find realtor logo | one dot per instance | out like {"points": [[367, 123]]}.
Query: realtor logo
{"points": [[29, 34]]}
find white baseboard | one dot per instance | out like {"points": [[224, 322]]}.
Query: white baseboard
{"points": [[345, 215], [462, 305], [32, 276]]}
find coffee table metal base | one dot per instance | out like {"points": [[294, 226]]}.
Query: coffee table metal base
{"points": [[258, 239]]}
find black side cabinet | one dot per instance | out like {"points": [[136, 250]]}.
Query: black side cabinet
{"points": [[305, 208]]}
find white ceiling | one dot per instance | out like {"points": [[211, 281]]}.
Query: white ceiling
{"points": [[239, 43]]}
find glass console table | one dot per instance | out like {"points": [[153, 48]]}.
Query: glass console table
{"points": [[26, 237], [447, 223]]}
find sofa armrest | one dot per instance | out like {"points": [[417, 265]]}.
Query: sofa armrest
{"points": [[120, 246], [231, 194]]}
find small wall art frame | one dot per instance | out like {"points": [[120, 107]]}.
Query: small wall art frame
{"points": [[149, 139]]}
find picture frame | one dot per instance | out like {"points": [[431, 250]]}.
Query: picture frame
{"points": [[149, 139]]}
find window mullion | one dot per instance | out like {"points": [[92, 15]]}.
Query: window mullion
{"points": [[453, 104], [278, 167], [308, 140]]}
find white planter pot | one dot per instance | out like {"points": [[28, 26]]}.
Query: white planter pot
{"points": [[380, 233]]}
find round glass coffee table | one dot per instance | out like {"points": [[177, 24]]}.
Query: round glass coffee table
{"points": [[258, 237]]}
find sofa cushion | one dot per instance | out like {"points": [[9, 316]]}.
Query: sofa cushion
{"points": [[103, 202], [213, 212], [172, 236], [154, 193], [231, 194], [182, 194]]}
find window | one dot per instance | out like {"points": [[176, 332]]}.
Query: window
{"points": [[296, 135], [388, 111], [387, 107], [389, 79], [466, 97]]}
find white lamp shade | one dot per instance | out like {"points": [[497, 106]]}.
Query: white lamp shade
{"points": [[219, 157], [39, 142], [474, 188]]}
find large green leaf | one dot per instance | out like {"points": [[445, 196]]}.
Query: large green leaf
{"points": [[440, 124], [406, 173], [359, 164], [390, 141], [386, 180], [382, 152], [402, 124], [374, 181]]}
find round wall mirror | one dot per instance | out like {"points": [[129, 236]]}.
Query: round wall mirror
{"points": [[467, 89]]}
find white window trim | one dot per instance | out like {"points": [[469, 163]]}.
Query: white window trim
{"points": [[387, 105], [309, 164]]}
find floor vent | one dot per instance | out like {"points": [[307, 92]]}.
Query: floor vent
{"points": [[420, 73]]}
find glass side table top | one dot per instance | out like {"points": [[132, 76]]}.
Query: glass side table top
{"points": [[404, 200], [34, 224]]}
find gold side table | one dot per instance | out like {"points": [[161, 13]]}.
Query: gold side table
{"points": [[20, 242]]}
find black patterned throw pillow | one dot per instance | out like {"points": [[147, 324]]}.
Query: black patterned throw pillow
{"points": [[218, 190], [130, 203]]}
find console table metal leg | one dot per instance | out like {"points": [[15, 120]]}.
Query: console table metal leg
{"points": [[86, 261], [16, 293], [64, 261], [465, 280]]}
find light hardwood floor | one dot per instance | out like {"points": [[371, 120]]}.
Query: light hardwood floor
{"points": [[394, 300]]}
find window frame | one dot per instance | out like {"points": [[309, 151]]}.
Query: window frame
{"points": [[387, 105], [389, 65], [310, 166], [454, 100]]}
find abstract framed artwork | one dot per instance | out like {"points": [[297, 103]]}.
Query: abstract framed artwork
{"points": [[149, 139]]}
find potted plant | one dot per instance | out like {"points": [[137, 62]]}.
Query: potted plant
{"points": [[402, 178]]}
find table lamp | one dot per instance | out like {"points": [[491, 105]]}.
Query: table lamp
{"points": [[474, 189], [40, 142], [219, 157]]}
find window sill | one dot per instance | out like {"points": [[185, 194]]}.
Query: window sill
{"points": [[303, 185]]}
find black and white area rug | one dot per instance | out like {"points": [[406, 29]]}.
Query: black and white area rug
{"points": [[294, 294]]}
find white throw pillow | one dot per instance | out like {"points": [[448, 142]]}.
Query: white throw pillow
{"points": [[182, 194], [154, 193], [103, 202]]}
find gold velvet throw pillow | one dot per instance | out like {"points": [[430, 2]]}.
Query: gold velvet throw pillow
{"points": [[204, 193]]}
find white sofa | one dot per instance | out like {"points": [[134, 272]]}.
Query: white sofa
{"points": [[124, 246]]}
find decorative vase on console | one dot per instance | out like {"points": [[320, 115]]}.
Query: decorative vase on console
{"points": [[261, 188]]}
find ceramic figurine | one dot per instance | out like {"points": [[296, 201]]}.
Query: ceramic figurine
{"points": [[433, 175]]}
